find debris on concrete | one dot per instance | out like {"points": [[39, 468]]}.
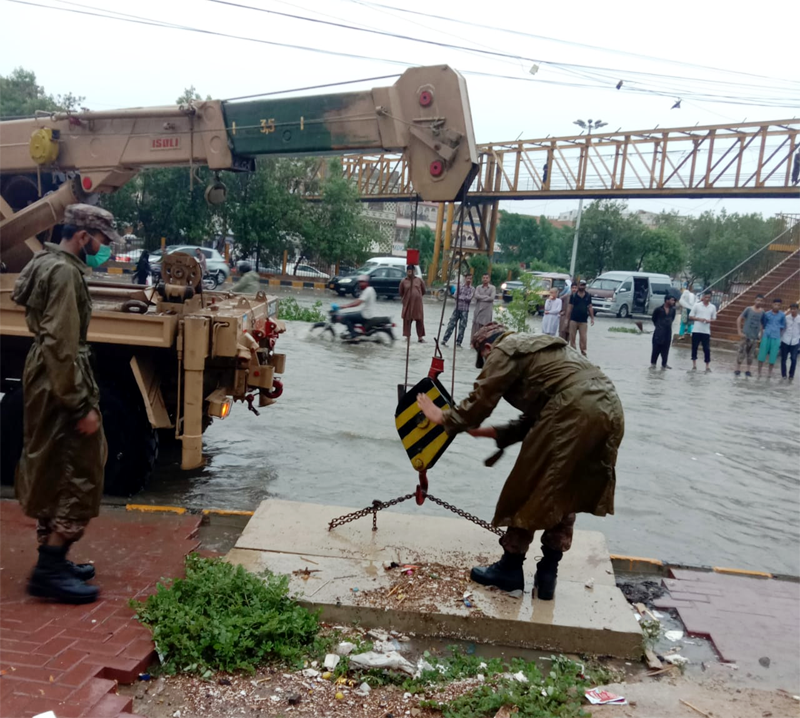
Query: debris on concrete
{"points": [[331, 661], [676, 659], [764, 661], [589, 584], [599, 697], [391, 661], [345, 648], [673, 635], [641, 591]]}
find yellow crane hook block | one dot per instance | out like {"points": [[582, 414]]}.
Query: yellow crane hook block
{"points": [[423, 440]]}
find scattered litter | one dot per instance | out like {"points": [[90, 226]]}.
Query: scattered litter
{"points": [[224, 681], [387, 646], [764, 661], [363, 689], [408, 569], [673, 635], [345, 648], [305, 573], [326, 676], [377, 634], [695, 708], [389, 565], [599, 697], [520, 677], [676, 659], [423, 665], [732, 666], [310, 672], [589, 584], [331, 661], [392, 660], [652, 659], [49, 714], [657, 614], [144, 676], [339, 696], [176, 714], [293, 699]]}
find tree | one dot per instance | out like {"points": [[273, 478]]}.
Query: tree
{"points": [[424, 241], [337, 230], [661, 251], [190, 94], [21, 96]]}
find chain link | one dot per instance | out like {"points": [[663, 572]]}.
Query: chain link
{"points": [[380, 505], [361, 513], [465, 515]]}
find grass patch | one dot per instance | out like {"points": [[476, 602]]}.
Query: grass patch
{"points": [[289, 309], [223, 618], [624, 330], [519, 683]]}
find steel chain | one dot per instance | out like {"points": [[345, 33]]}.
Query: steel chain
{"points": [[380, 505], [361, 513], [465, 515]]}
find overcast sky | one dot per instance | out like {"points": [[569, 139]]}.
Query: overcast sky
{"points": [[120, 64]]}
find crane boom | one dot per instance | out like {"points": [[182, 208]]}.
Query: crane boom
{"points": [[425, 115]]}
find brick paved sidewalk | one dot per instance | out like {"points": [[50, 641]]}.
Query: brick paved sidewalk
{"points": [[68, 658], [747, 620]]}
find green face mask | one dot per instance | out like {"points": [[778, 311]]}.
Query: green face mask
{"points": [[102, 256]]}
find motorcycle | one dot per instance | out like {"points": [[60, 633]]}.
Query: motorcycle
{"points": [[370, 328]]}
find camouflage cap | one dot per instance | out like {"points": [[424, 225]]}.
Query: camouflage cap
{"points": [[487, 334], [86, 216]]}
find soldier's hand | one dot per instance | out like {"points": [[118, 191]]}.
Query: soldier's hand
{"points": [[89, 424], [431, 411]]}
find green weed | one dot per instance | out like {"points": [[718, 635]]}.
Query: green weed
{"points": [[223, 618], [624, 330], [289, 309]]}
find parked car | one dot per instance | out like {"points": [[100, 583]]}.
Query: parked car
{"points": [[543, 280], [217, 268], [385, 280], [132, 256], [630, 292]]}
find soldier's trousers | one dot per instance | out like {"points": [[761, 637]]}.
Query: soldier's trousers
{"points": [[557, 538], [69, 529]]}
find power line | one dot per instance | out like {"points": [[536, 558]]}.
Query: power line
{"points": [[311, 87], [123, 17], [598, 48]]}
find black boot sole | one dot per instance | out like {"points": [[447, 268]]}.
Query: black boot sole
{"points": [[515, 591], [39, 591]]}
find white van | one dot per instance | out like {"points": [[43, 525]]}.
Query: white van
{"points": [[626, 293], [390, 262]]}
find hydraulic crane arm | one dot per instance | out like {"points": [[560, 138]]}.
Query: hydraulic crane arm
{"points": [[425, 115]]}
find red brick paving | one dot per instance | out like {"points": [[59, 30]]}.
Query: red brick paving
{"points": [[745, 618], [68, 659]]}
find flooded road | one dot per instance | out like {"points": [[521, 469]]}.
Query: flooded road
{"points": [[707, 472]]}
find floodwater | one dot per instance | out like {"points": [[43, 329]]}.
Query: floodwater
{"points": [[707, 472]]}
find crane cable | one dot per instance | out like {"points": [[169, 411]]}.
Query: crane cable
{"points": [[411, 239]]}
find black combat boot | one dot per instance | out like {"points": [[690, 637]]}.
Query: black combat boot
{"points": [[506, 574], [81, 571], [544, 582], [53, 578]]}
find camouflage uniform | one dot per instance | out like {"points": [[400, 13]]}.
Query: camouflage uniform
{"points": [[59, 477]]}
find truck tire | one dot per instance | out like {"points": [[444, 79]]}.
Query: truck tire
{"points": [[11, 412], [132, 442]]}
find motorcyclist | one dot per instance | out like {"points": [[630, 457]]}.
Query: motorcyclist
{"points": [[365, 303]]}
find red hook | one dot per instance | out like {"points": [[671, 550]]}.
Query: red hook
{"points": [[422, 487]]}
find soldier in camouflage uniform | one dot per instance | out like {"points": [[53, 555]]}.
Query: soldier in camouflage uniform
{"points": [[59, 478], [570, 428]]}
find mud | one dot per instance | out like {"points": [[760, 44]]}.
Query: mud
{"points": [[707, 472]]}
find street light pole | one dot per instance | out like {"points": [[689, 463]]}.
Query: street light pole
{"points": [[588, 126]]}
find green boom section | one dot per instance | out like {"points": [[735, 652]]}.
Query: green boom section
{"points": [[322, 123]]}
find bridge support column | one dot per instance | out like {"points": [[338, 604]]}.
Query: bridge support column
{"points": [[448, 235]]}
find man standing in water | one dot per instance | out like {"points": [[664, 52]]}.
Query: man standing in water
{"points": [[566, 310], [484, 304], [59, 478], [750, 334], [460, 314], [702, 314], [581, 309], [412, 289], [571, 427], [663, 317]]}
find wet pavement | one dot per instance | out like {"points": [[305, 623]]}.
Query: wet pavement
{"points": [[707, 472]]}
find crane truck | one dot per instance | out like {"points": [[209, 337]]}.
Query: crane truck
{"points": [[169, 359]]}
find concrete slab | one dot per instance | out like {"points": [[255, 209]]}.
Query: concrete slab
{"points": [[288, 537]]}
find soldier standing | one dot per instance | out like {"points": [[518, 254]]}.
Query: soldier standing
{"points": [[59, 479]]}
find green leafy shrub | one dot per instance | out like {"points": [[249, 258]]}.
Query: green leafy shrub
{"points": [[523, 303], [559, 693], [223, 618], [289, 309]]}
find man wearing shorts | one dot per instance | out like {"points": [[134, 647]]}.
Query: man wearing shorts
{"points": [[774, 323], [749, 326]]}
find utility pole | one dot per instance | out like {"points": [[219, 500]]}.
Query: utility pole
{"points": [[588, 126]]}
